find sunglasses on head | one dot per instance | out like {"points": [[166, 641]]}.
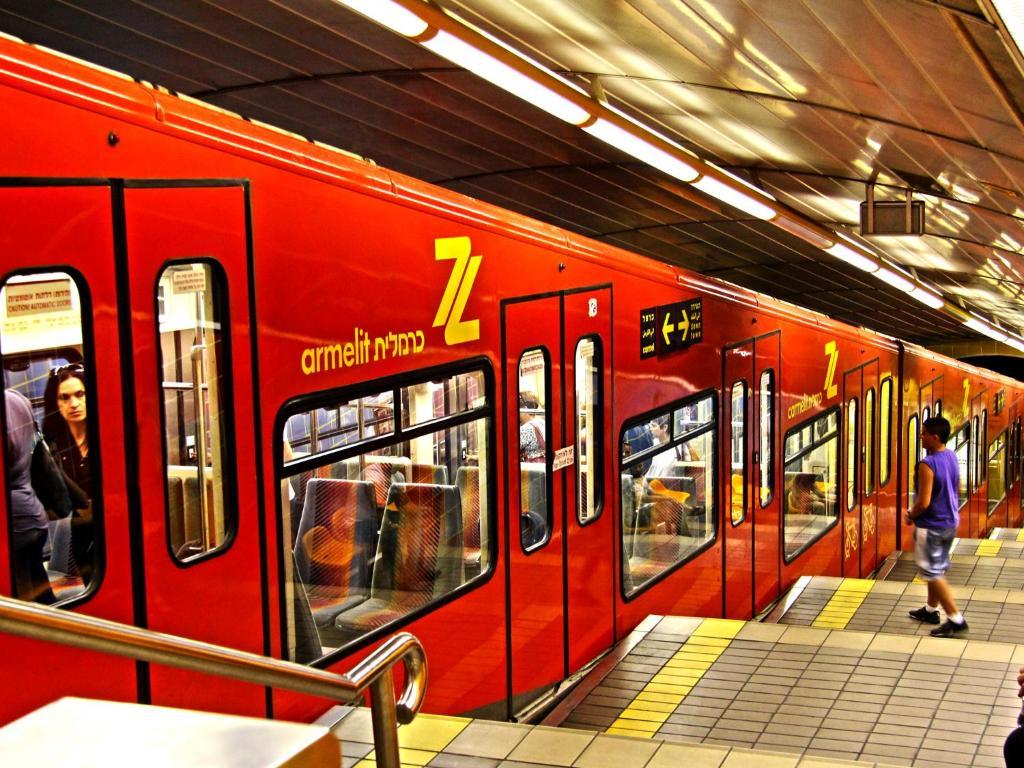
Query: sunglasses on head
{"points": [[69, 368]]}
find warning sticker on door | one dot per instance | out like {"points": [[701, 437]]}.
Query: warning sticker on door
{"points": [[564, 457]]}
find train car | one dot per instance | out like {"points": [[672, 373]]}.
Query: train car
{"points": [[314, 402], [985, 412]]}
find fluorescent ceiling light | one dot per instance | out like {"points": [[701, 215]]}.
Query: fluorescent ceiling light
{"points": [[1014, 342], [642, 150], [928, 297], [845, 253], [803, 232], [985, 329], [508, 78], [389, 14], [734, 197], [895, 279]]}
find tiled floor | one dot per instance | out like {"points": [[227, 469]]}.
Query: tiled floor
{"points": [[882, 606], [969, 570], [1008, 534], [449, 742], [837, 694], [1010, 549]]}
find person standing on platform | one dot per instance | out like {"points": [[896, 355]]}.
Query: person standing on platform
{"points": [[28, 519], [936, 514], [1013, 748]]}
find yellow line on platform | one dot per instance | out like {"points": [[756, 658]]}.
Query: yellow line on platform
{"points": [[843, 604], [653, 705], [988, 548]]}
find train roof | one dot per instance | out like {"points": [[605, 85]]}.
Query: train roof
{"points": [[75, 81]]}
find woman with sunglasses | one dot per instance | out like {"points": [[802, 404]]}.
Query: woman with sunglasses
{"points": [[64, 426]]}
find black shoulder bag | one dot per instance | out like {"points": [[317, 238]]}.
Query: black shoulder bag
{"points": [[48, 480]]}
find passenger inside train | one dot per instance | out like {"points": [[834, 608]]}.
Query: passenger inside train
{"points": [[669, 508], [42, 343], [811, 468], [384, 503]]}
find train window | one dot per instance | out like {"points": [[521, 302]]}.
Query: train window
{"points": [[737, 488], [534, 438], [589, 430], [766, 442], [384, 525], [50, 391], [962, 449], [885, 432], [192, 318], [667, 490], [913, 457], [996, 471], [811, 460], [869, 442], [852, 454]]}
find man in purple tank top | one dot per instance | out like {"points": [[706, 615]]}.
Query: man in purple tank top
{"points": [[936, 513]]}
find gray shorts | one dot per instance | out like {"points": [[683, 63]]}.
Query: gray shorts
{"points": [[931, 551]]}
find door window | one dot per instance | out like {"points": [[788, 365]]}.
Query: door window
{"points": [[534, 440], [852, 454], [589, 429], [811, 458], [193, 345], [869, 442], [913, 456], [962, 449], [50, 408], [885, 430], [737, 489], [766, 438]]}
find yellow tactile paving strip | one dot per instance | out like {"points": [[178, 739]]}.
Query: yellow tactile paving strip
{"points": [[659, 698], [988, 548], [843, 604], [423, 739]]}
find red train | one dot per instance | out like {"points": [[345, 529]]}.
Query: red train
{"points": [[323, 402]]}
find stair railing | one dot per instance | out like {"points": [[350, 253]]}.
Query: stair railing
{"points": [[374, 672]]}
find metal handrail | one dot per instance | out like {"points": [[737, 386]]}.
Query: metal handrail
{"points": [[373, 672]]}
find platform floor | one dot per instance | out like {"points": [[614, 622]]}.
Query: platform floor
{"points": [[882, 606], [1008, 534], [1011, 549], [969, 570], [833, 693], [453, 742]]}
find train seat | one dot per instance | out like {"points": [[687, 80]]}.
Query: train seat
{"points": [[467, 480], [334, 541], [382, 472], [419, 555], [428, 474]]}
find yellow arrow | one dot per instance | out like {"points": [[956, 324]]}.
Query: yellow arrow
{"points": [[667, 328], [684, 326]]}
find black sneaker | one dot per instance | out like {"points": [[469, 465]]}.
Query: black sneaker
{"points": [[948, 629], [923, 614]]}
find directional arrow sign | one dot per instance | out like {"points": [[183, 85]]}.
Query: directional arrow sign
{"points": [[680, 325], [667, 328]]}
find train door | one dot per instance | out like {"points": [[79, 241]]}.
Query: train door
{"points": [[751, 524], [534, 495], [59, 295], [590, 598], [558, 389], [188, 293]]}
